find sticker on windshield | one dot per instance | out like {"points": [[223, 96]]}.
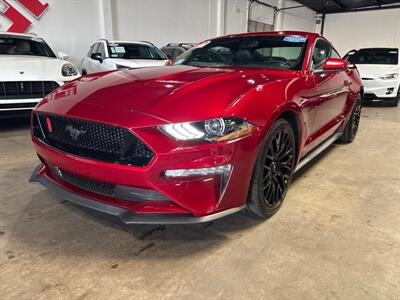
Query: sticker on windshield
{"points": [[294, 39], [118, 49]]}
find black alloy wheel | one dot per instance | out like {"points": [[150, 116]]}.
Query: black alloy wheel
{"points": [[351, 129], [355, 120], [278, 167], [273, 170]]}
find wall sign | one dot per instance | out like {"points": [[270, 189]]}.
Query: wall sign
{"points": [[19, 22]]}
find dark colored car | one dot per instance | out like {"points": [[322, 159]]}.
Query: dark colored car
{"points": [[173, 50], [221, 130]]}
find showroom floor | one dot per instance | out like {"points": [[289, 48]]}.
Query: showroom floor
{"points": [[337, 235]]}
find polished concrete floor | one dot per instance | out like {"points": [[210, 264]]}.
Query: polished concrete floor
{"points": [[337, 235]]}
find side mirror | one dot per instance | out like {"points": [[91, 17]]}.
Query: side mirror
{"points": [[97, 56], [62, 55], [333, 64]]}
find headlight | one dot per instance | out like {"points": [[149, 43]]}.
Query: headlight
{"points": [[389, 76], [69, 70], [213, 130]]}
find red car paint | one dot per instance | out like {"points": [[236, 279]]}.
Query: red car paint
{"points": [[144, 98]]}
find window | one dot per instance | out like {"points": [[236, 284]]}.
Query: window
{"points": [[102, 50], [95, 48], [321, 53], [273, 52], [169, 52], [135, 51], [375, 56], [24, 46]]}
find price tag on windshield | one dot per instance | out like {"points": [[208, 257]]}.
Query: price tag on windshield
{"points": [[294, 39], [118, 49]]}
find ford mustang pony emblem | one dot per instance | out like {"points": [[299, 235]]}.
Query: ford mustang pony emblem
{"points": [[74, 133]]}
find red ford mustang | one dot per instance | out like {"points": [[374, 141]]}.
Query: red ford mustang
{"points": [[222, 129]]}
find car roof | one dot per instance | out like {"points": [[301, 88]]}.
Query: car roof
{"points": [[276, 33], [377, 48], [125, 42], [27, 35]]}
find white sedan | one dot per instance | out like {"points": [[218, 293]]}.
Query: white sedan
{"points": [[106, 55], [379, 69], [29, 70]]}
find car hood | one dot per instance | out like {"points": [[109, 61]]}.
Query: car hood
{"points": [[372, 71], [29, 68], [139, 63], [166, 94]]}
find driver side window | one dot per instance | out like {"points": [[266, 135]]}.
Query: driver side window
{"points": [[322, 51]]}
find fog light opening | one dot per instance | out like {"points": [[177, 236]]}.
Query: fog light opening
{"points": [[389, 91]]}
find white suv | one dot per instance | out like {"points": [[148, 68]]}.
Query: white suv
{"points": [[29, 70], [106, 55], [379, 69]]}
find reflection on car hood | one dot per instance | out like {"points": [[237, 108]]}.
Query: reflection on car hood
{"points": [[372, 71], [175, 94]]}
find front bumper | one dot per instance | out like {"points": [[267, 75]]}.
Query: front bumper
{"points": [[377, 89], [125, 215], [195, 198]]}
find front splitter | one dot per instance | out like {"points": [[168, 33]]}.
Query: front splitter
{"points": [[126, 216]]}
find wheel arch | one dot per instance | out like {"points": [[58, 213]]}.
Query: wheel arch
{"points": [[294, 121]]}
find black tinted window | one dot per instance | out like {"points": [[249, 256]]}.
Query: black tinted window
{"points": [[375, 56], [274, 52], [322, 51], [24, 46], [102, 50], [169, 52], [95, 48], [135, 51]]}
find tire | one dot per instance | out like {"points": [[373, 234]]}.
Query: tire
{"points": [[396, 100], [273, 171], [350, 131]]}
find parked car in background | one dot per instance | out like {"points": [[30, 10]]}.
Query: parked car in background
{"points": [[105, 55], [29, 70], [221, 130], [173, 50], [379, 69]]}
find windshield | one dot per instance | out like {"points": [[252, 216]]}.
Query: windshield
{"points": [[375, 56], [135, 51], [24, 46], [273, 52]]}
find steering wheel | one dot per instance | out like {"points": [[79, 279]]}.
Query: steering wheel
{"points": [[279, 60]]}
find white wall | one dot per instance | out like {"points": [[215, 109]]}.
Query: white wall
{"points": [[377, 28], [72, 25], [297, 19], [67, 25], [301, 19]]}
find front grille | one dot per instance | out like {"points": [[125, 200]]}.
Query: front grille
{"points": [[88, 184], [91, 139], [17, 105], [26, 89]]}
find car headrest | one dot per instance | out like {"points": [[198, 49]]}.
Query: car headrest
{"points": [[242, 57]]}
